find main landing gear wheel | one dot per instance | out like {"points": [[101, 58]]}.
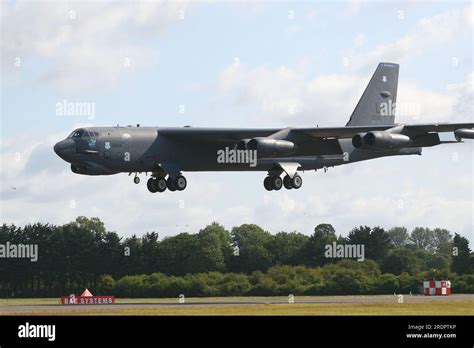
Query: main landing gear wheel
{"points": [[277, 183], [152, 185], [170, 184], [287, 182], [267, 183], [273, 183], [296, 182], [160, 184], [180, 183]]}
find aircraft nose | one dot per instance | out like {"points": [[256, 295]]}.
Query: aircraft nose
{"points": [[65, 149]]}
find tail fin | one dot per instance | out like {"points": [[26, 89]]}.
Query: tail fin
{"points": [[377, 104]]}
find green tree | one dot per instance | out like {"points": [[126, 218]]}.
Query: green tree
{"points": [[254, 249], [443, 240], [375, 240], [149, 252], [400, 260], [423, 238], [312, 254], [287, 247], [462, 260], [398, 236], [213, 249], [130, 259], [387, 283], [176, 254], [440, 262]]}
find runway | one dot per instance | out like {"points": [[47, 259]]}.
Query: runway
{"points": [[146, 304]]}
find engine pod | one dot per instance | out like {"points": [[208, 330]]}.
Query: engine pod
{"points": [[271, 146], [386, 140], [464, 133], [380, 141]]}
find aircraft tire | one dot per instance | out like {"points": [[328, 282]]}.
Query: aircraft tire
{"points": [[170, 184], [180, 183], [296, 182], [151, 185], [287, 182], [267, 183], [277, 183], [160, 184]]}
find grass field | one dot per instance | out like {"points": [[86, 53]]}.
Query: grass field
{"points": [[355, 305]]}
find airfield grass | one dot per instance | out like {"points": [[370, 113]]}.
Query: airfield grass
{"points": [[435, 307]]}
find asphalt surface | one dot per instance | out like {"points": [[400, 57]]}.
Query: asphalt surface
{"points": [[44, 308]]}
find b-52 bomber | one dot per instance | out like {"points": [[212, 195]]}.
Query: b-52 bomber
{"points": [[166, 153]]}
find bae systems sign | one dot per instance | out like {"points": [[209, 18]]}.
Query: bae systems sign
{"points": [[85, 300]]}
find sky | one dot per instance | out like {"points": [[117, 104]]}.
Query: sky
{"points": [[233, 64]]}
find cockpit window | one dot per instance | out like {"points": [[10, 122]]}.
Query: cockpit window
{"points": [[90, 134], [77, 133], [84, 134]]}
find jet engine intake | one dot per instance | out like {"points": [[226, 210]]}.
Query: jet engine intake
{"points": [[380, 141], [270, 146]]}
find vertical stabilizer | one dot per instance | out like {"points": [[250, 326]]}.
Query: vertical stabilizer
{"points": [[377, 104]]}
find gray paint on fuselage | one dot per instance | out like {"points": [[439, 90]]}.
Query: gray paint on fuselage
{"points": [[147, 149]]}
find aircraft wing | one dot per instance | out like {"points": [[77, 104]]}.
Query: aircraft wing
{"points": [[410, 130], [230, 135], [308, 145], [215, 135]]}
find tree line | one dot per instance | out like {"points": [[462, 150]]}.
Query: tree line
{"points": [[216, 262]]}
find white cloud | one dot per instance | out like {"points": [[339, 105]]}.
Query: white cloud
{"points": [[353, 8], [289, 95], [283, 95], [359, 40], [86, 45], [429, 32]]}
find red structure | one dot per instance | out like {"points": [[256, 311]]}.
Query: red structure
{"points": [[87, 298], [437, 287]]}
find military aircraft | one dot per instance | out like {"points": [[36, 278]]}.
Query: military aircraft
{"points": [[165, 153]]}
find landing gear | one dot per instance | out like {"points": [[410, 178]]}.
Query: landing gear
{"points": [[277, 183], [274, 182], [161, 180], [170, 184], [296, 182], [287, 182], [156, 185], [180, 183], [267, 183], [136, 180], [152, 185], [160, 184]]}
